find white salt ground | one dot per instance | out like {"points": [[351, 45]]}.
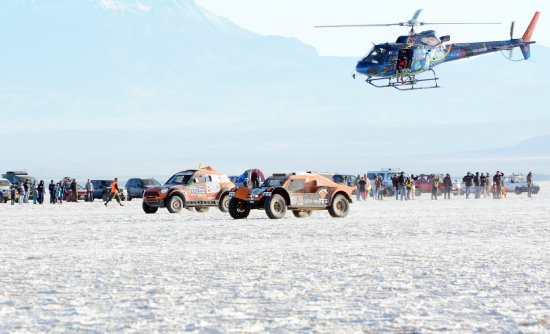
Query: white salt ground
{"points": [[458, 265]]}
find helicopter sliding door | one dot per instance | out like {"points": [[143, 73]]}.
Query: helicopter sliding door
{"points": [[419, 60]]}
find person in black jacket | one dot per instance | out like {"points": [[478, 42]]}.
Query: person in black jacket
{"points": [[52, 188], [468, 181], [529, 184], [497, 184], [448, 183], [402, 183], [40, 190], [483, 184], [477, 183], [74, 190]]}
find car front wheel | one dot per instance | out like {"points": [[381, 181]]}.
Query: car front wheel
{"points": [[148, 209], [275, 207], [224, 203], [238, 209], [339, 207], [175, 204]]}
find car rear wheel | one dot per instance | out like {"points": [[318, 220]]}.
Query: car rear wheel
{"points": [[302, 213], [175, 204], [201, 209], [238, 209], [339, 207], [148, 209], [224, 203], [129, 198], [518, 190], [275, 207], [105, 196]]}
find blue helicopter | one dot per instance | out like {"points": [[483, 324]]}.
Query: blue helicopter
{"points": [[399, 63]]}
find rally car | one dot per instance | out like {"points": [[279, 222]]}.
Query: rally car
{"points": [[198, 189], [299, 192]]}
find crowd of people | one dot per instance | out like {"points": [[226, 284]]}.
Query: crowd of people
{"points": [[404, 187]]}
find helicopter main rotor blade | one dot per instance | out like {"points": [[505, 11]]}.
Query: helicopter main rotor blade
{"points": [[427, 23], [359, 25], [512, 37], [415, 16]]}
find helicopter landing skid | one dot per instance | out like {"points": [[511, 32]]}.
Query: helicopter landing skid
{"points": [[408, 84]]}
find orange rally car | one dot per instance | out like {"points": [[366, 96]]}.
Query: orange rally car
{"points": [[300, 192], [199, 189]]}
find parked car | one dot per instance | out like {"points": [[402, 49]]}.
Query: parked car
{"points": [[423, 184], [300, 192], [4, 190], [102, 190], [198, 189], [137, 186], [68, 192], [387, 174], [518, 184]]}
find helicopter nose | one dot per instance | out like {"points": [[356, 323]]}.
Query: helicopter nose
{"points": [[366, 68]]}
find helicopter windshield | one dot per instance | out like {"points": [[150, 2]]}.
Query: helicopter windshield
{"points": [[376, 56]]}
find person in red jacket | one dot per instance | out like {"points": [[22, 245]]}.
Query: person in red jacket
{"points": [[401, 65], [114, 192]]}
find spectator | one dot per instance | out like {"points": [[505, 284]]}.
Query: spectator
{"points": [[27, 187], [483, 185], [59, 192], [255, 179], [435, 186], [363, 188], [21, 194], [369, 186], [395, 183], [357, 191], [52, 188], [74, 190], [468, 180], [89, 191], [448, 184], [497, 185], [114, 193], [411, 187], [33, 190], [477, 185], [40, 191], [529, 184], [13, 193], [380, 188], [402, 182], [375, 188]]}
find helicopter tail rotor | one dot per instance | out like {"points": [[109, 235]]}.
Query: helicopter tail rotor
{"points": [[512, 37]]}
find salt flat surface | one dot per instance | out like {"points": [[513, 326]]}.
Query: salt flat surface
{"points": [[457, 265]]}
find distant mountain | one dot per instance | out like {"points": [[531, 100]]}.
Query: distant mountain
{"points": [[136, 86]]}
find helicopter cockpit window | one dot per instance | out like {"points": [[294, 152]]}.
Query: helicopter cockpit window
{"points": [[376, 56]]}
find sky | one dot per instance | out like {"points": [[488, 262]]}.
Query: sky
{"points": [[292, 18], [114, 90]]}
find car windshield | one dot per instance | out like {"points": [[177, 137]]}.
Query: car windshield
{"points": [[179, 179], [272, 182], [150, 182]]}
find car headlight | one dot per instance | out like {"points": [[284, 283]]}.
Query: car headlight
{"points": [[164, 191]]}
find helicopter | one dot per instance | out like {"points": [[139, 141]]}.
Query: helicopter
{"points": [[399, 63]]}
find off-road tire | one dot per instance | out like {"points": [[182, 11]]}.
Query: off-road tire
{"points": [[518, 190], [174, 204], [148, 209], [301, 214], [275, 207], [201, 209], [339, 207], [223, 205], [238, 209]]}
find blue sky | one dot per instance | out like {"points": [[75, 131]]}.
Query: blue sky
{"points": [[102, 88], [296, 18]]}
